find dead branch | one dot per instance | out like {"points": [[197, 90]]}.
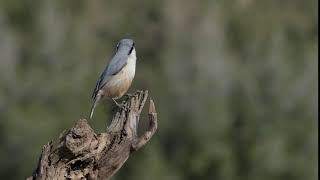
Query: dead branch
{"points": [[80, 153]]}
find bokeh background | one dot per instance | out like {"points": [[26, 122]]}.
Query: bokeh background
{"points": [[235, 83]]}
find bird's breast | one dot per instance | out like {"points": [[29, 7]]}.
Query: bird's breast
{"points": [[119, 84]]}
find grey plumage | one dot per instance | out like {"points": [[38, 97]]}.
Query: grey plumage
{"points": [[120, 58], [118, 61]]}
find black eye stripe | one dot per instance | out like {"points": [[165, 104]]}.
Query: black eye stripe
{"points": [[131, 49]]}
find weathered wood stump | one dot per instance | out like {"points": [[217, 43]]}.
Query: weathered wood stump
{"points": [[80, 153]]}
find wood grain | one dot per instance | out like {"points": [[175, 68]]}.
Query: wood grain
{"points": [[80, 153]]}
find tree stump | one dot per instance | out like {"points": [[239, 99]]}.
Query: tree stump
{"points": [[80, 153]]}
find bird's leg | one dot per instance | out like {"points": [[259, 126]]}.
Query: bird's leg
{"points": [[121, 106]]}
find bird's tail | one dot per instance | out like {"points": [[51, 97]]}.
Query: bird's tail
{"points": [[94, 104]]}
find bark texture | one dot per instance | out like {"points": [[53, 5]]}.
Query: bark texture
{"points": [[80, 153]]}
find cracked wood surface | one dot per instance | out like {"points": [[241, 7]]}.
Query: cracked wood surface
{"points": [[80, 153]]}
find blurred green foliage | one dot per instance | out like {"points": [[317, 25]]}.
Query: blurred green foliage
{"points": [[235, 83]]}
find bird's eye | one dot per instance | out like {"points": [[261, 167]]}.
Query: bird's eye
{"points": [[118, 45]]}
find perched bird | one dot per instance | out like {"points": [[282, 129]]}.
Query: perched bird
{"points": [[117, 77]]}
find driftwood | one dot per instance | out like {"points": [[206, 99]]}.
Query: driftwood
{"points": [[79, 153]]}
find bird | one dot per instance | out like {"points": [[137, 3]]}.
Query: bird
{"points": [[118, 75]]}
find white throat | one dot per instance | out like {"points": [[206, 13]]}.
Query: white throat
{"points": [[131, 65]]}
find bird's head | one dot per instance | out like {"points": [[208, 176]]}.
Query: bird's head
{"points": [[126, 46]]}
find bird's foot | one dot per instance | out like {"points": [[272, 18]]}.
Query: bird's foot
{"points": [[128, 96], [120, 106]]}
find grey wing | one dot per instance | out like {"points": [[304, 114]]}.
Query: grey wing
{"points": [[98, 85], [116, 64]]}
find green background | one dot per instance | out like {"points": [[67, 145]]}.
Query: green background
{"points": [[235, 83]]}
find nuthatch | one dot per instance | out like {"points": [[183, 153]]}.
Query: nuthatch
{"points": [[117, 77]]}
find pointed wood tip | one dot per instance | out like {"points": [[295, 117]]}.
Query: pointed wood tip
{"points": [[152, 108]]}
